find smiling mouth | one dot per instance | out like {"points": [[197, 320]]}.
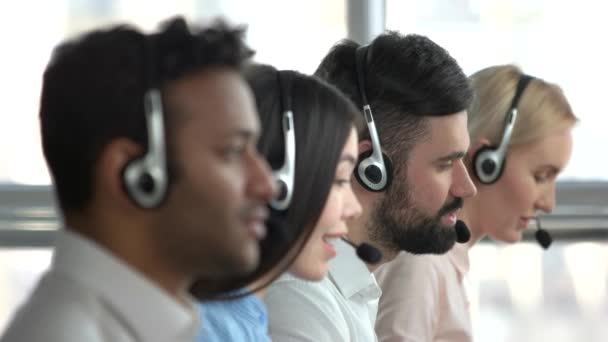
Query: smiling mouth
{"points": [[257, 228], [331, 238], [524, 222]]}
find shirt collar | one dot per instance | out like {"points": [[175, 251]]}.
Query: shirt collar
{"points": [[351, 275], [148, 310]]}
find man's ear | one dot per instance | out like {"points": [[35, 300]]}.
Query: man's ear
{"points": [[108, 172]]}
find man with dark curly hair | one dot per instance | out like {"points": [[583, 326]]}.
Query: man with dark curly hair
{"points": [[151, 143], [410, 180]]}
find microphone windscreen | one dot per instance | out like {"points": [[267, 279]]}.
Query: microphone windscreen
{"points": [[463, 234], [543, 238], [369, 253]]}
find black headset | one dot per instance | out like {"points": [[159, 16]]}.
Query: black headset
{"points": [[145, 178], [284, 176], [374, 169], [489, 161]]}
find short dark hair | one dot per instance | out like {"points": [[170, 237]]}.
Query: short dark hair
{"points": [[408, 78], [323, 119], [94, 86]]}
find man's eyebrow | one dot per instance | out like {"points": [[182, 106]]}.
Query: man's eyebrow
{"points": [[245, 134], [451, 157]]}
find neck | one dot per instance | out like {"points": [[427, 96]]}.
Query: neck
{"points": [[469, 216], [128, 242], [263, 281], [358, 234], [386, 257]]}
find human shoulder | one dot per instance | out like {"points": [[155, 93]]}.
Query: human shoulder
{"points": [[410, 266], [59, 309], [320, 294], [305, 311]]}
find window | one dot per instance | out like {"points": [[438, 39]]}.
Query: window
{"points": [[20, 270], [522, 293], [286, 33], [558, 41]]}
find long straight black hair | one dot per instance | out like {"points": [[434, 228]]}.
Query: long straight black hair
{"points": [[323, 119]]}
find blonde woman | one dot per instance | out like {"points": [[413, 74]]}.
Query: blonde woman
{"points": [[520, 129]]}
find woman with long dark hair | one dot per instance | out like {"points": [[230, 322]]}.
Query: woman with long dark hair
{"points": [[300, 236]]}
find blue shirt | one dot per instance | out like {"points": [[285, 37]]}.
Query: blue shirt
{"points": [[242, 319]]}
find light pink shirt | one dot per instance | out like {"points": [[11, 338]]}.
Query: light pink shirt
{"points": [[424, 298]]}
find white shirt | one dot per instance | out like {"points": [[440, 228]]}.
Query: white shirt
{"points": [[341, 307], [90, 295], [424, 298]]}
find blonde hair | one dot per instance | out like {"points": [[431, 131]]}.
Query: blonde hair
{"points": [[542, 109]]}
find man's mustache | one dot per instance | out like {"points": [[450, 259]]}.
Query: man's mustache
{"points": [[457, 203]]}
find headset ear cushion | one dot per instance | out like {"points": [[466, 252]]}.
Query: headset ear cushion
{"points": [[146, 183], [140, 184], [487, 165], [282, 190], [388, 165]]}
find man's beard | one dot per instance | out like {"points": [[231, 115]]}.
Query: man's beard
{"points": [[397, 225]]}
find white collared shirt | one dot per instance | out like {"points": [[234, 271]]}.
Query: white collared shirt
{"points": [[424, 298], [340, 308], [90, 295]]}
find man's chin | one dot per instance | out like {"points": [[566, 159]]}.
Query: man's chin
{"points": [[241, 262], [444, 248], [249, 259], [437, 250], [439, 245]]}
